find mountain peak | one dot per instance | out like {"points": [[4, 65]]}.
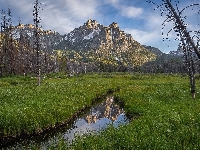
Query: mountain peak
{"points": [[113, 25], [91, 23], [106, 41], [32, 27]]}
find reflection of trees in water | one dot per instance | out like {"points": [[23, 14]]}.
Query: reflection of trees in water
{"points": [[107, 109]]}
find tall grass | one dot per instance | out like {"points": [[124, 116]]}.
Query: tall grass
{"points": [[169, 117], [26, 107]]}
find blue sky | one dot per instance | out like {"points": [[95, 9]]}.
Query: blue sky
{"points": [[136, 17]]}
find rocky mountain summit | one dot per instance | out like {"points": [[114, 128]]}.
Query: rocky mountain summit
{"points": [[93, 35], [48, 38], [105, 47], [106, 44], [90, 47]]}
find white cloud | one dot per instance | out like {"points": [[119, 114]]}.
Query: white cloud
{"points": [[114, 3], [144, 37], [81, 8], [17, 9], [153, 38], [64, 16], [127, 11], [130, 11], [57, 21], [151, 33]]}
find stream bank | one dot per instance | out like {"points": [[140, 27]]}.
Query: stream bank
{"points": [[107, 108]]}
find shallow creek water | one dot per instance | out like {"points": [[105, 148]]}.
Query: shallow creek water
{"points": [[97, 118]]}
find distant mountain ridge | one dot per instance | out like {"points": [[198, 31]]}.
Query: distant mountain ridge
{"points": [[90, 36], [93, 41], [105, 43], [93, 47], [154, 50], [101, 45]]}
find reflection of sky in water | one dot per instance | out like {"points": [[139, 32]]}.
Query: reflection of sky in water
{"points": [[82, 127], [98, 118]]}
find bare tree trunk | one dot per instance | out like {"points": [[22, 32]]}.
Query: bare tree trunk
{"points": [[188, 45], [192, 77], [183, 28], [36, 20]]}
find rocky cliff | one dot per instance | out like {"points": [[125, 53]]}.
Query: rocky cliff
{"points": [[93, 42], [106, 43]]}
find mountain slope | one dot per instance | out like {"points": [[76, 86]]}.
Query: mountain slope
{"points": [[165, 63], [105, 44], [105, 47]]}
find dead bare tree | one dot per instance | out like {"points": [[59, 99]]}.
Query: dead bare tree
{"points": [[7, 53], [37, 44], [4, 41], [187, 41], [11, 47], [3, 27]]}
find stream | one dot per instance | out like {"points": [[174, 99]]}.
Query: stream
{"points": [[95, 119]]}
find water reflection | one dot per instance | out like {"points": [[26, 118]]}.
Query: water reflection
{"points": [[98, 118], [107, 109]]}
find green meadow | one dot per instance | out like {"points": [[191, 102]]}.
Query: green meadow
{"points": [[167, 116]]}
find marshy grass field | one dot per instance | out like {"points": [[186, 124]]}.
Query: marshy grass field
{"points": [[167, 116]]}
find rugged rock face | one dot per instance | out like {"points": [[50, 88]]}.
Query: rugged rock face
{"points": [[106, 42], [93, 42], [93, 35], [48, 38]]}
